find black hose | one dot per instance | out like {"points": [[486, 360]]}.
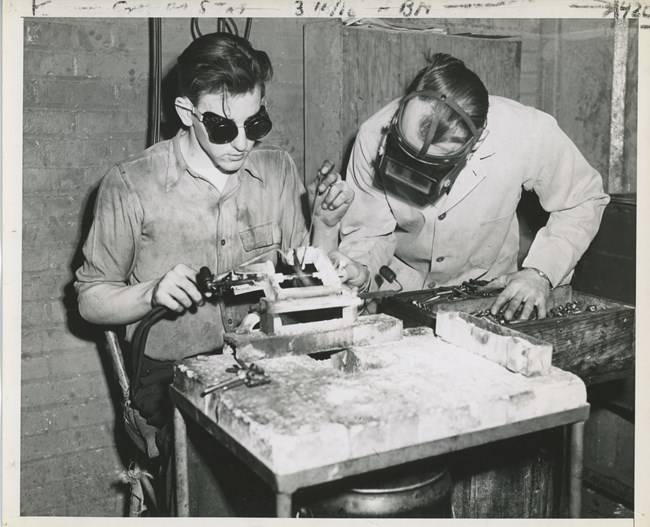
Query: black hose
{"points": [[194, 28], [155, 101], [247, 30], [139, 342], [233, 26], [226, 25]]}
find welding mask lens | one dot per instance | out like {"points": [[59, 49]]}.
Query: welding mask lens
{"points": [[407, 176], [426, 177], [222, 130]]}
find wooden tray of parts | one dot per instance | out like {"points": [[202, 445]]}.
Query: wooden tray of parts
{"points": [[596, 345]]}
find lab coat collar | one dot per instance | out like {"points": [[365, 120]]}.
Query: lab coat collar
{"points": [[470, 177]]}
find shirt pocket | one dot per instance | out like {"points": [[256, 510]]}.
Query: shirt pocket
{"points": [[488, 241], [261, 236]]}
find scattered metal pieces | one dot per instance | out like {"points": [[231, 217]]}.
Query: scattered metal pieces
{"points": [[487, 315], [471, 289], [570, 308], [251, 375], [559, 311]]}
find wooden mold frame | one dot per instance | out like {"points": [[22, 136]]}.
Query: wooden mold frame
{"points": [[280, 304]]}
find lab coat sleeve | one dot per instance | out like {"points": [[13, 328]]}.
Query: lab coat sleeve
{"points": [[572, 192], [368, 228]]}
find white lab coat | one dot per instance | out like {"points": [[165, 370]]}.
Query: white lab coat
{"points": [[473, 231]]}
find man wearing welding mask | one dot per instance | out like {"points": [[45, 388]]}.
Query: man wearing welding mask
{"points": [[438, 175], [211, 196]]}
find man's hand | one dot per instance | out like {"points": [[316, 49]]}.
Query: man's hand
{"points": [[177, 289], [350, 272], [525, 289], [330, 198]]}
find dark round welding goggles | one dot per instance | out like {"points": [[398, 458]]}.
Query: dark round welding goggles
{"points": [[222, 130], [410, 166]]}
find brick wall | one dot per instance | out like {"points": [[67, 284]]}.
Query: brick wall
{"points": [[85, 101], [85, 108]]}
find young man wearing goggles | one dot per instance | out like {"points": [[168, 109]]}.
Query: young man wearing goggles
{"points": [[205, 198], [438, 175]]}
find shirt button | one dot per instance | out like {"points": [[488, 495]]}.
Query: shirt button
{"points": [[223, 242], [230, 321], [440, 259], [442, 216], [431, 285]]}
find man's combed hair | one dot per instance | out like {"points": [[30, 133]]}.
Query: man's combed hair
{"points": [[221, 62], [449, 76]]}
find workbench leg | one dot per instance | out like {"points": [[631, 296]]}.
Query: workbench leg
{"points": [[180, 457], [283, 505], [575, 469]]}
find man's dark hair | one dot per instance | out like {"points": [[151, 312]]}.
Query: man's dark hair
{"points": [[449, 76], [221, 62]]}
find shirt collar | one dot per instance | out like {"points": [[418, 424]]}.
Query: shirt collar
{"points": [[251, 167], [177, 166]]}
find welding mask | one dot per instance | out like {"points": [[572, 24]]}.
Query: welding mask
{"points": [[424, 176]]}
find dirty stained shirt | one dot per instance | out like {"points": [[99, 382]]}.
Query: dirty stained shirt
{"points": [[473, 232], [153, 212]]}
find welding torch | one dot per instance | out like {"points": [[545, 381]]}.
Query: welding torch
{"points": [[208, 285], [391, 277]]}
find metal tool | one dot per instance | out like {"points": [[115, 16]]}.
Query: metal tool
{"points": [[209, 285], [325, 169], [466, 290], [498, 318], [251, 375]]}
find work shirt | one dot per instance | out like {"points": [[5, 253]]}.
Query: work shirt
{"points": [[473, 231], [154, 212]]}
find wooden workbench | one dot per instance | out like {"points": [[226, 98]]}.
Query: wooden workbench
{"points": [[370, 408]]}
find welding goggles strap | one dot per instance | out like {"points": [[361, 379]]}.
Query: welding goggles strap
{"points": [[410, 166], [440, 101]]}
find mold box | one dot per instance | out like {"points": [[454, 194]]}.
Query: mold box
{"points": [[596, 346]]}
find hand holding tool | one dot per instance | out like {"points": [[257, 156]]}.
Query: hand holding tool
{"points": [[210, 285], [325, 169]]}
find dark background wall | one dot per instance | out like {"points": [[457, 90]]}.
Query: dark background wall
{"points": [[85, 108]]}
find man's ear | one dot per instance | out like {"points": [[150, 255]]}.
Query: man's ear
{"points": [[184, 110]]}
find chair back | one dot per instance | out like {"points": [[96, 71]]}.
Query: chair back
{"points": [[117, 359], [139, 431]]}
